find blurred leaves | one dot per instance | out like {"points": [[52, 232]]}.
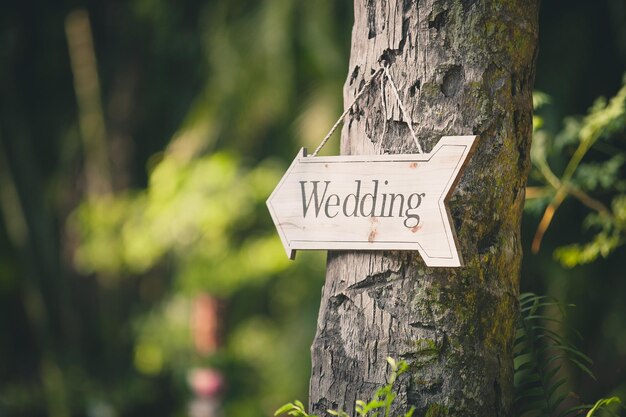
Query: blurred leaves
{"points": [[205, 215], [201, 222], [215, 97], [593, 175]]}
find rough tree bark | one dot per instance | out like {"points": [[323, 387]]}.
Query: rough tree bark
{"points": [[462, 67]]}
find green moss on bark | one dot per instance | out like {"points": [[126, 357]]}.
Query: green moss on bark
{"points": [[436, 410]]}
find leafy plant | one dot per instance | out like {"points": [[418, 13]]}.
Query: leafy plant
{"points": [[542, 356], [295, 409], [591, 175]]}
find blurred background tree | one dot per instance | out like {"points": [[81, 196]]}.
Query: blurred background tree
{"points": [[138, 142]]}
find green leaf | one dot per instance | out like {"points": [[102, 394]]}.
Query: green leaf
{"points": [[602, 404], [285, 408], [583, 368]]}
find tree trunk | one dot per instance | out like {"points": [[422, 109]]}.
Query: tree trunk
{"points": [[462, 67]]}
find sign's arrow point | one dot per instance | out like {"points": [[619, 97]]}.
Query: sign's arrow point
{"points": [[373, 202]]}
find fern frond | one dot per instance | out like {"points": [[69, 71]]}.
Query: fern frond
{"points": [[539, 353]]}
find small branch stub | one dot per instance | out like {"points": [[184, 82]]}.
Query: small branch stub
{"points": [[373, 202]]}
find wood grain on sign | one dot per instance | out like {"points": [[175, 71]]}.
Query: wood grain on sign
{"points": [[373, 202]]}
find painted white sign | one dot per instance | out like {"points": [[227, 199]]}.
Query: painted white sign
{"points": [[373, 202]]}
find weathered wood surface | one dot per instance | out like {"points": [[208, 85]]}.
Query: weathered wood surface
{"points": [[373, 202], [463, 67]]}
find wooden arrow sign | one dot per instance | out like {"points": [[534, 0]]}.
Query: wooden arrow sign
{"points": [[373, 202]]}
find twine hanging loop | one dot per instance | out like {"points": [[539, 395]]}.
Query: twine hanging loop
{"points": [[384, 73]]}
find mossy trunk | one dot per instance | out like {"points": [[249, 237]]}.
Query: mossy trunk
{"points": [[462, 67]]}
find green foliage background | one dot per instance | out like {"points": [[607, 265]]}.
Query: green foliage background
{"points": [[204, 104]]}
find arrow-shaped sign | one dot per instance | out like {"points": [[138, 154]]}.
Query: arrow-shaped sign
{"points": [[373, 202]]}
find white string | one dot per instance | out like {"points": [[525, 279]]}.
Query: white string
{"points": [[409, 123], [383, 100], [384, 68], [345, 112]]}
